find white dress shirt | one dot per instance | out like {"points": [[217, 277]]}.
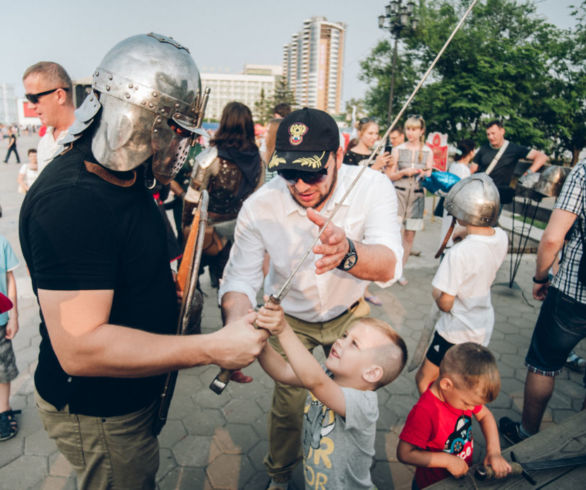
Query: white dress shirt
{"points": [[49, 147], [271, 220]]}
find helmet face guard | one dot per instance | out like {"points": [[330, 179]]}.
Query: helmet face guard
{"points": [[150, 93]]}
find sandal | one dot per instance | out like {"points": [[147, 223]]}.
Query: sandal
{"points": [[12, 418], [375, 300], [8, 425]]}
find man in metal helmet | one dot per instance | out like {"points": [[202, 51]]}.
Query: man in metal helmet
{"points": [[95, 245]]}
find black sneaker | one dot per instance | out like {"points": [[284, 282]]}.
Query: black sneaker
{"points": [[510, 430]]}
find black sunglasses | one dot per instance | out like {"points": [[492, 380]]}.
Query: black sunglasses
{"points": [[34, 98], [310, 178]]}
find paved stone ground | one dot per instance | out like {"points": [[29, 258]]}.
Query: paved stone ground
{"points": [[218, 442]]}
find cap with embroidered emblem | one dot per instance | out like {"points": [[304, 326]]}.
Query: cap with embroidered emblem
{"points": [[304, 140]]}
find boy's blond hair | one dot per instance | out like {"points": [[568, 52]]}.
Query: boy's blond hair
{"points": [[392, 356], [473, 365]]}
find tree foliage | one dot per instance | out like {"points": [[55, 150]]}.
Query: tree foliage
{"points": [[263, 108], [506, 62]]}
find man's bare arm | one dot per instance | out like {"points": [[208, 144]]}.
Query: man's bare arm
{"points": [[87, 345], [539, 160]]}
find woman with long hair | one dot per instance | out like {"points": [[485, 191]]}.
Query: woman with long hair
{"points": [[411, 161], [237, 176], [360, 148]]}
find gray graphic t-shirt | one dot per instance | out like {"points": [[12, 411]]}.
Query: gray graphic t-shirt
{"points": [[337, 451]]}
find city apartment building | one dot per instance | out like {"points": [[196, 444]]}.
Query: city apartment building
{"points": [[313, 64], [243, 87]]}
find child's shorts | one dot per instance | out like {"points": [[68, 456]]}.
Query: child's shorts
{"points": [[437, 349], [8, 370]]}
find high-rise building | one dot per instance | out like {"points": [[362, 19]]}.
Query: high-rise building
{"points": [[244, 87], [313, 64], [8, 104]]}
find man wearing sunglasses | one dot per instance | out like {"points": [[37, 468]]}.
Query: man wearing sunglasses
{"points": [[362, 244], [49, 92]]}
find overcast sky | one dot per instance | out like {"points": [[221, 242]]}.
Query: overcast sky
{"points": [[222, 35]]}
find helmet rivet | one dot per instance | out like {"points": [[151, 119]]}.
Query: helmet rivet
{"points": [[159, 120], [109, 77], [130, 85], [127, 96], [108, 87], [155, 94], [97, 73], [155, 130], [151, 105]]}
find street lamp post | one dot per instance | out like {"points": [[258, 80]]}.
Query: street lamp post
{"points": [[398, 16]]}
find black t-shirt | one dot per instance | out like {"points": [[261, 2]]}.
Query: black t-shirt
{"points": [[79, 232], [353, 158], [503, 170]]}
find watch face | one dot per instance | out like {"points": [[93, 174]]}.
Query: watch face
{"points": [[349, 262]]}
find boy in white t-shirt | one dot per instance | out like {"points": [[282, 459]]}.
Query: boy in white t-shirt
{"points": [[461, 286], [28, 172]]}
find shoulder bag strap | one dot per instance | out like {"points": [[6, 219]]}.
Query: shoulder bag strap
{"points": [[497, 157]]}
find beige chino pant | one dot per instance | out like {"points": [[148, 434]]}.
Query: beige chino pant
{"points": [[115, 453]]}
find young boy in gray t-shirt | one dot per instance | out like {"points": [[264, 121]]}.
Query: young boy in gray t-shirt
{"points": [[339, 423]]}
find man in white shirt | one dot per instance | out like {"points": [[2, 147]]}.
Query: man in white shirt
{"points": [[50, 93], [283, 217]]}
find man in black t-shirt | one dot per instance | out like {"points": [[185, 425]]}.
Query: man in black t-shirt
{"points": [[502, 173], [95, 244]]}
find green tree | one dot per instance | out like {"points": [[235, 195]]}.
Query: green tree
{"points": [[505, 62], [263, 108]]}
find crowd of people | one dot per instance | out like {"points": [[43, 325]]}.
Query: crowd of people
{"points": [[109, 302]]}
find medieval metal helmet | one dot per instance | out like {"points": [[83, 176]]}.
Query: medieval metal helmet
{"points": [[150, 95], [551, 180], [474, 200]]}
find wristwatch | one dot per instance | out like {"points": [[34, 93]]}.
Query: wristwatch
{"points": [[350, 258]]}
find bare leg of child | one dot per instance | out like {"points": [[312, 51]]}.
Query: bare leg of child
{"points": [[427, 374], [4, 397]]}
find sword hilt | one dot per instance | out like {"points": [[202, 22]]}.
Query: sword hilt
{"points": [[219, 383]]}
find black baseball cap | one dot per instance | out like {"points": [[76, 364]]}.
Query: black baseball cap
{"points": [[304, 141]]}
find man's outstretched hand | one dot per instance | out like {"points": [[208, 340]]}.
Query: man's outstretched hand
{"points": [[333, 244]]}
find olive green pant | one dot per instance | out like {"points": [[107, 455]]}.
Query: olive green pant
{"points": [[114, 453], [285, 419]]}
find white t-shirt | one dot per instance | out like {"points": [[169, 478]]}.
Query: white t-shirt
{"points": [[49, 147], [29, 174], [467, 272], [461, 170]]}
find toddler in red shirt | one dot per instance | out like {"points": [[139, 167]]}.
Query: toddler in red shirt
{"points": [[437, 437]]}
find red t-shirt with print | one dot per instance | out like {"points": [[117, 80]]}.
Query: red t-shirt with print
{"points": [[433, 425]]}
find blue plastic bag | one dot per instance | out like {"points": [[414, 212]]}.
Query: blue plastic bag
{"points": [[439, 181]]}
